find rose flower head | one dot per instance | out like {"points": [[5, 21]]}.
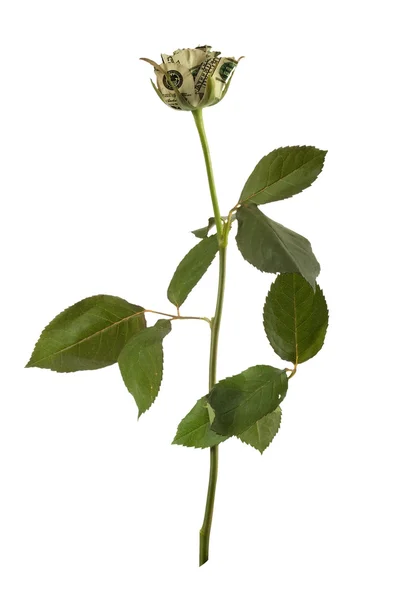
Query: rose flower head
{"points": [[191, 79]]}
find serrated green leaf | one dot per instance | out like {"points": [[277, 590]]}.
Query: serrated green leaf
{"points": [[242, 400], [141, 364], [204, 231], [295, 318], [191, 269], [273, 248], [195, 431], [261, 434], [88, 335], [283, 173]]}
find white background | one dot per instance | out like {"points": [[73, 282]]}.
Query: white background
{"points": [[101, 184]]}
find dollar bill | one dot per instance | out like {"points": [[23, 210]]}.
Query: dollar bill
{"points": [[189, 71], [223, 73], [180, 78], [190, 58], [220, 69]]}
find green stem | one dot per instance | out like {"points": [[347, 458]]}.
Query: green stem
{"points": [[222, 232], [198, 119]]}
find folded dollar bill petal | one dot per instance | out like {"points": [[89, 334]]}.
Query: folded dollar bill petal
{"points": [[187, 57], [193, 78], [176, 84]]}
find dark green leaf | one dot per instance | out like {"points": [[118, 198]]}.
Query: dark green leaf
{"points": [[191, 269], [273, 248], [261, 434], [204, 231], [295, 318], [242, 400], [283, 173], [141, 364], [88, 335], [194, 430]]}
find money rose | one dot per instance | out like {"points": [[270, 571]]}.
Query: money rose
{"points": [[191, 79]]}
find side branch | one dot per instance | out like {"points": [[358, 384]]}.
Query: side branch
{"points": [[176, 317]]}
